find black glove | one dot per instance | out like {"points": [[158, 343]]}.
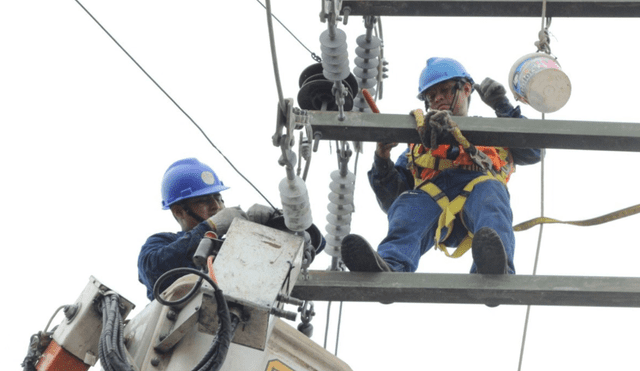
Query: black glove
{"points": [[493, 94]]}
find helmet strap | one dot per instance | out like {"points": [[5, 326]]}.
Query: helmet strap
{"points": [[456, 90], [191, 213]]}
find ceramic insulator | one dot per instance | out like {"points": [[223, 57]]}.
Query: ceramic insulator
{"points": [[340, 208]]}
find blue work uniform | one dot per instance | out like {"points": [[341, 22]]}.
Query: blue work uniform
{"points": [[413, 214], [165, 251]]}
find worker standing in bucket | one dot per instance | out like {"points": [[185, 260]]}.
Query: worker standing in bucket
{"points": [[191, 190], [415, 192]]}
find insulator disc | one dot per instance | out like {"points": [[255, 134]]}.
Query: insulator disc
{"points": [[325, 50], [313, 70], [340, 38], [336, 68], [365, 74], [336, 177], [368, 84], [343, 189], [367, 53], [314, 93], [371, 44], [366, 63], [338, 200], [361, 105], [319, 76], [334, 59], [339, 219], [340, 209], [338, 75], [333, 248], [338, 231]]}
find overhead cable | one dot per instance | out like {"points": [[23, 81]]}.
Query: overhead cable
{"points": [[314, 56], [176, 104]]}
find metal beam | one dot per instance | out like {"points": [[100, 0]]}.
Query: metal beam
{"points": [[469, 289], [505, 132], [493, 8]]}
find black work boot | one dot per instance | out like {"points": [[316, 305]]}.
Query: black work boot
{"points": [[488, 252], [359, 256]]}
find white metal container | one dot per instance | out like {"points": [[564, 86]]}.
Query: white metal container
{"points": [[538, 80]]}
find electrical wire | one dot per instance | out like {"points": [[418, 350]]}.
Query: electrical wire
{"points": [[111, 347], [535, 263], [314, 56], [176, 104], [214, 358]]}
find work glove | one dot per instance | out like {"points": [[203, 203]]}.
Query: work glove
{"points": [[493, 94], [440, 121], [221, 222], [260, 214]]}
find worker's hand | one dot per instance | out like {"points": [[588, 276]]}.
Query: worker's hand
{"points": [[383, 150], [440, 121], [260, 213], [221, 222], [492, 93]]}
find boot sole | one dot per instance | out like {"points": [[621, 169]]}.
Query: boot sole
{"points": [[359, 256], [488, 252]]}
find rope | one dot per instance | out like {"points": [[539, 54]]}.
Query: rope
{"points": [[176, 104], [543, 36]]}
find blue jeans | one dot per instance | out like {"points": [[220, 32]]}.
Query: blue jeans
{"points": [[413, 219]]}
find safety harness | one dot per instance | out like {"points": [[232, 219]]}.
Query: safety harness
{"points": [[425, 163]]}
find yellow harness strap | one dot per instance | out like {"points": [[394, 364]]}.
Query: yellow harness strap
{"points": [[632, 210], [449, 212]]}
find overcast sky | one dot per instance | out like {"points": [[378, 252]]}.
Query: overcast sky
{"points": [[86, 137]]}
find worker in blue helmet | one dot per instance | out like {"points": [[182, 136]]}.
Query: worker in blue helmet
{"points": [[410, 190], [192, 191]]}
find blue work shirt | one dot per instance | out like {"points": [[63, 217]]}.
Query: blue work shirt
{"points": [[165, 251]]}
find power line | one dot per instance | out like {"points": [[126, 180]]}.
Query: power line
{"points": [[314, 56], [175, 103]]}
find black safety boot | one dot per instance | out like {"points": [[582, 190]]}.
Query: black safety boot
{"points": [[488, 252], [359, 256]]}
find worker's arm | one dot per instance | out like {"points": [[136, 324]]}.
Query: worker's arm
{"points": [[493, 94], [165, 251], [389, 180]]}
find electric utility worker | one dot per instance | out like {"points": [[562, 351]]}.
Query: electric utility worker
{"points": [[412, 191], [191, 190]]}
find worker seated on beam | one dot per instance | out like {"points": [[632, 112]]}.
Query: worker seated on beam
{"points": [[415, 193], [191, 190]]}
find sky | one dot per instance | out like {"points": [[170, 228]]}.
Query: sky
{"points": [[86, 137]]}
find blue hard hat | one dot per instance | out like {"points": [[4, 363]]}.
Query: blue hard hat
{"points": [[188, 178], [439, 70]]}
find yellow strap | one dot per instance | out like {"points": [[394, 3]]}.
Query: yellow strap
{"points": [[632, 210], [449, 212], [460, 138], [419, 115]]}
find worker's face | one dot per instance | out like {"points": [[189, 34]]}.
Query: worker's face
{"points": [[205, 206], [441, 97]]}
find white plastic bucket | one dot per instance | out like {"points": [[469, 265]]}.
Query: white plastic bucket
{"points": [[537, 80]]}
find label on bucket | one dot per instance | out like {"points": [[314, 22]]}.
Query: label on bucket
{"points": [[528, 69]]}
